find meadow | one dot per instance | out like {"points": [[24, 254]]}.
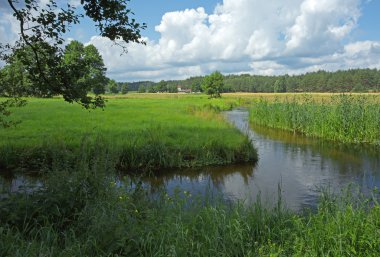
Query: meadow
{"points": [[145, 133], [82, 209]]}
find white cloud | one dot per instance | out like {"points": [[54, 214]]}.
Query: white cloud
{"points": [[271, 37], [9, 27], [251, 36]]}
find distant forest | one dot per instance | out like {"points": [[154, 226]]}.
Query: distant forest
{"points": [[355, 80]]}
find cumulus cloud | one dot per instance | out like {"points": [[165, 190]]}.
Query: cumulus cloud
{"points": [[246, 36], [251, 36], [9, 26]]}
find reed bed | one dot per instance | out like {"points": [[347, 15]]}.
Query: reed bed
{"points": [[343, 118]]}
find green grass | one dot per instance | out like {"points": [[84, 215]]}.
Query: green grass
{"points": [[80, 211], [344, 118], [89, 215], [140, 133]]}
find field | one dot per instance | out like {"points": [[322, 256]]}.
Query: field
{"points": [[140, 133], [82, 208]]}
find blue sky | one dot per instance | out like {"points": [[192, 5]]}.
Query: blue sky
{"points": [[192, 37], [151, 12]]}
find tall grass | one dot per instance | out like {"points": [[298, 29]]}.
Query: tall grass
{"points": [[139, 134], [345, 118], [81, 211]]}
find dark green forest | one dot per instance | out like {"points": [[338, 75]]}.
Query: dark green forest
{"points": [[355, 80]]}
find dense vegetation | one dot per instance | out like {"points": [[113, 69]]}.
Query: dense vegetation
{"points": [[345, 118], [356, 80], [92, 214], [139, 134]]}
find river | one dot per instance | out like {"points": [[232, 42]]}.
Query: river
{"points": [[299, 166]]}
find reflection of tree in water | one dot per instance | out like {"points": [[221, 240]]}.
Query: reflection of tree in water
{"points": [[346, 158], [11, 182], [216, 174]]}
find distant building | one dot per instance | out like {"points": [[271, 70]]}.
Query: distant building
{"points": [[183, 91]]}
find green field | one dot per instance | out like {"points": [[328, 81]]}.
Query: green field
{"points": [[82, 209], [139, 133]]}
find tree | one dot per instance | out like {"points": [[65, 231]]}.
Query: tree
{"points": [[172, 88], [124, 88], [42, 26], [14, 80], [161, 86], [196, 86], [86, 67], [213, 84], [96, 76], [113, 88], [142, 89], [279, 86]]}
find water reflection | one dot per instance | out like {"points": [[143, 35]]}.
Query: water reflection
{"points": [[299, 165]]}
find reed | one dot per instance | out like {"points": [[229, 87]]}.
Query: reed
{"points": [[344, 118]]}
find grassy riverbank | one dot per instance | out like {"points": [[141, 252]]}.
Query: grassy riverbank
{"points": [[81, 209], [344, 118], [91, 215], [138, 134]]}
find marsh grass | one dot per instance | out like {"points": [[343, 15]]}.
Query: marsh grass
{"points": [[344, 118], [81, 211]]}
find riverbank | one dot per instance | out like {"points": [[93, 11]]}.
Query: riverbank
{"points": [[137, 134], [91, 215], [341, 118]]}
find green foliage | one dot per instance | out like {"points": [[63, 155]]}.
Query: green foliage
{"points": [[161, 87], [14, 80], [86, 67], [141, 89], [355, 80], [172, 88], [96, 70], [124, 88], [113, 87], [213, 84], [40, 52], [279, 86], [352, 119], [5, 111], [196, 86], [80, 211]]}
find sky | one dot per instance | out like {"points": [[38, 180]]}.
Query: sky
{"points": [[191, 37]]}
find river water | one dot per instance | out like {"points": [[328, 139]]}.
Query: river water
{"points": [[297, 165], [300, 166]]}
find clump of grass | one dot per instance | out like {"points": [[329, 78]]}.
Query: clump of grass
{"points": [[345, 118]]}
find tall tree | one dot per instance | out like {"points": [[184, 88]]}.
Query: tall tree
{"points": [[96, 70], [124, 88], [47, 21], [112, 86], [213, 84]]}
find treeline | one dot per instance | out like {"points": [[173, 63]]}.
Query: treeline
{"points": [[355, 80]]}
